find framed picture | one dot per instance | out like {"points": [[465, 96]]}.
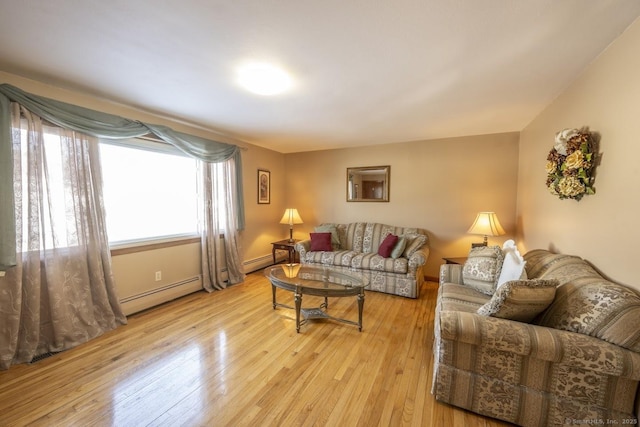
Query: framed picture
{"points": [[264, 187]]}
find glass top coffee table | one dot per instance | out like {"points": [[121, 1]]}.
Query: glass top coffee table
{"points": [[318, 281]]}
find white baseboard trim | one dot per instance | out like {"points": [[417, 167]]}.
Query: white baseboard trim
{"points": [[261, 262], [157, 296]]}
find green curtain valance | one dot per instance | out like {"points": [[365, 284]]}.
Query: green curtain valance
{"points": [[7, 200], [97, 124]]}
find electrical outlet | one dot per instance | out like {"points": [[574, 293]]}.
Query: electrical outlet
{"points": [[1, 273], [158, 276]]}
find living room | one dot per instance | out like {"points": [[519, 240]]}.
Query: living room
{"points": [[439, 184]]}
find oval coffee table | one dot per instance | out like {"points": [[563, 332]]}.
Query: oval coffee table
{"points": [[323, 282]]}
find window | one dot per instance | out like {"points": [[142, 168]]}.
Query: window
{"points": [[150, 190]]}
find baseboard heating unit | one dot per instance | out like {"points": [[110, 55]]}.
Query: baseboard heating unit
{"points": [[159, 295]]}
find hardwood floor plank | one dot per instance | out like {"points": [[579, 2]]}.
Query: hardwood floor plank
{"points": [[229, 359]]}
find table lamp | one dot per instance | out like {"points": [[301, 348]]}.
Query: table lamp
{"points": [[291, 216], [486, 224]]}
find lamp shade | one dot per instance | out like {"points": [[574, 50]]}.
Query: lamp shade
{"points": [[291, 216], [486, 224]]}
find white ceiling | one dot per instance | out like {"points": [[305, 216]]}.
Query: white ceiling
{"points": [[365, 71]]}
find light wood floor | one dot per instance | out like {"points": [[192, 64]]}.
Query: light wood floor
{"points": [[229, 359]]}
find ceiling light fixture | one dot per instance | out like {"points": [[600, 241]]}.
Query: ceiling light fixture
{"points": [[263, 79]]}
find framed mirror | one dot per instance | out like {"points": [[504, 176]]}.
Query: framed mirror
{"points": [[368, 184]]}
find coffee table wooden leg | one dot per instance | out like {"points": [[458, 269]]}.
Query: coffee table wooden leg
{"points": [[273, 290], [360, 309], [298, 300]]}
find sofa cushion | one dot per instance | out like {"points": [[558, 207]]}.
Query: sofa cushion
{"points": [[482, 268], [586, 302], [568, 269], [594, 306], [321, 242], [414, 242], [342, 235], [520, 300], [330, 228], [455, 297], [387, 245], [542, 263], [398, 249], [377, 263], [354, 236], [338, 258], [374, 235]]}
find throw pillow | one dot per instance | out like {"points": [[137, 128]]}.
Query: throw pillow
{"points": [[321, 242], [387, 245], [330, 228], [513, 264], [482, 269], [398, 249], [520, 300], [414, 242]]}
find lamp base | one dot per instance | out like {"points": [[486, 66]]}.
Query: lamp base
{"points": [[480, 245], [291, 235]]}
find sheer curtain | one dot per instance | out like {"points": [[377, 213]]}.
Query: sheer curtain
{"points": [[58, 290], [220, 245], [61, 292]]}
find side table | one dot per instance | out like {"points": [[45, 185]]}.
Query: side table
{"points": [[458, 260], [285, 245]]}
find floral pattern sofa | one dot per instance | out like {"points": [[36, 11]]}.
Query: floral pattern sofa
{"points": [[577, 362], [356, 248]]}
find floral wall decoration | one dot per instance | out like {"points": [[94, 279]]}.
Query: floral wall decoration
{"points": [[571, 164]]}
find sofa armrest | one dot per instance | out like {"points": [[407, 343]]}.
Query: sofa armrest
{"points": [[451, 273], [418, 259], [548, 344], [303, 247]]}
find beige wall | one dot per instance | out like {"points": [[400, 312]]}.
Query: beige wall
{"points": [[437, 185], [600, 228], [136, 284], [263, 220]]}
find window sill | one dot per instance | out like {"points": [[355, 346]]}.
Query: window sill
{"points": [[123, 248]]}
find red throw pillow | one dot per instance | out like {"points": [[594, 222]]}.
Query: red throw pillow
{"points": [[387, 245], [321, 242]]}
